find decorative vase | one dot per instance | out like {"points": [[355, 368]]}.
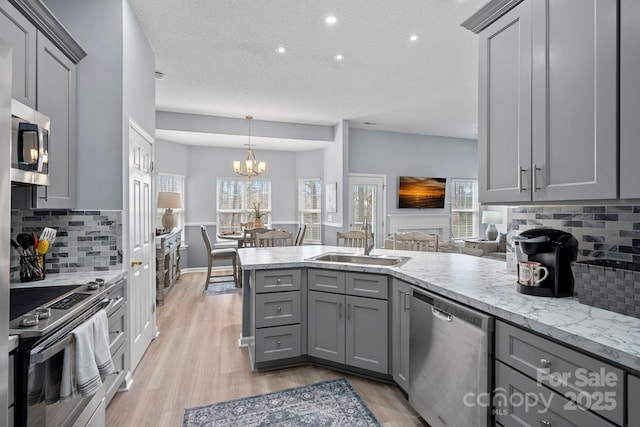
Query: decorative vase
{"points": [[257, 223]]}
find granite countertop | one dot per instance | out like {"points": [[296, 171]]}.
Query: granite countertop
{"points": [[484, 284], [64, 279]]}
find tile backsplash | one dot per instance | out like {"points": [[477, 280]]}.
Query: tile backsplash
{"points": [[603, 231], [85, 241]]}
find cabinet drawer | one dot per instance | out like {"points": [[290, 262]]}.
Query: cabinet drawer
{"points": [[280, 342], [326, 281], [520, 401], [367, 285], [116, 327], [277, 308], [633, 397], [549, 362], [278, 280]]}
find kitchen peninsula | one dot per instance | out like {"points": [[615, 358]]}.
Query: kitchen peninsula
{"points": [[584, 335]]}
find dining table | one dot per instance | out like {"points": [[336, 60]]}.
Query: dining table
{"points": [[236, 236]]}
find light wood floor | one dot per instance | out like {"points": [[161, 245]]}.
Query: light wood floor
{"points": [[196, 360]]}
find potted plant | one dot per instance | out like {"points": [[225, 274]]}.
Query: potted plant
{"points": [[257, 215]]}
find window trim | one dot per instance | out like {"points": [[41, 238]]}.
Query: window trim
{"points": [[302, 211], [475, 211], [244, 210]]}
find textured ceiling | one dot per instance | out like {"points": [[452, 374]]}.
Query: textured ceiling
{"points": [[219, 58]]}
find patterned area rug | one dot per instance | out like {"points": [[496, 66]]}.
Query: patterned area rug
{"points": [[221, 285], [329, 403]]}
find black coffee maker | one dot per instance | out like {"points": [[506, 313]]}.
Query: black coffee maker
{"points": [[554, 249]]}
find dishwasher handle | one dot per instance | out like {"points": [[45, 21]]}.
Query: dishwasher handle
{"points": [[442, 315]]}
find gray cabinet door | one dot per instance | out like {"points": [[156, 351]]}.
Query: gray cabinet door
{"points": [[504, 113], [56, 78], [400, 331], [367, 335], [633, 398], [629, 99], [326, 326], [574, 114], [16, 30]]}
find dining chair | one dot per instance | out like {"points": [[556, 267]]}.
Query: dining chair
{"points": [[249, 240], [246, 225], [416, 241], [353, 239], [219, 254], [300, 235], [274, 238]]}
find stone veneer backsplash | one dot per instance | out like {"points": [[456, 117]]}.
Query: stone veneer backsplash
{"points": [[85, 240], [603, 231]]}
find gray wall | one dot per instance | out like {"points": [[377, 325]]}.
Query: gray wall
{"points": [[394, 154]]}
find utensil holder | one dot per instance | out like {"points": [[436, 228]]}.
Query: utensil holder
{"points": [[31, 268]]}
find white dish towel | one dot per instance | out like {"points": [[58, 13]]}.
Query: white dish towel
{"points": [[87, 358]]}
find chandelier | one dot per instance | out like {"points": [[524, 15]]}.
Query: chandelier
{"points": [[251, 166]]}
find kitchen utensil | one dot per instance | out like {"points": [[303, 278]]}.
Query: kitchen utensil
{"points": [[48, 234], [17, 247], [24, 239]]}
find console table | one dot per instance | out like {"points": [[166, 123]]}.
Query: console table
{"points": [[167, 262]]}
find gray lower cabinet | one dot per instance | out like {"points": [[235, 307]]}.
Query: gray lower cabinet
{"points": [[117, 317], [633, 401], [400, 332], [562, 373], [349, 329], [629, 99], [277, 324]]}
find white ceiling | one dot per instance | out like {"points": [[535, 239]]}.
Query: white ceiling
{"points": [[219, 59]]}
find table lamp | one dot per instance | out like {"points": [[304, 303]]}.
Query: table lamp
{"points": [[492, 218], [169, 201]]}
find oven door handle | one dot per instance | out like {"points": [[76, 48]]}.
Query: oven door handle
{"points": [[40, 354]]}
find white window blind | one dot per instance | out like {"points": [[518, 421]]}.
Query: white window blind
{"points": [[464, 208], [171, 184], [236, 198], [310, 205]]}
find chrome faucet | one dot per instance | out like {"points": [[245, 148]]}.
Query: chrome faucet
{"points": [[368, 247]]}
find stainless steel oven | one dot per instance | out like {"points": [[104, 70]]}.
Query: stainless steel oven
{"points": [[45, 324]]}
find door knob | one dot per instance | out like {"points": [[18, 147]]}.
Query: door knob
{"points": [[136, 262]]}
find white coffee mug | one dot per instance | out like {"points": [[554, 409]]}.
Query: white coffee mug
{"points": [[532, 273]]}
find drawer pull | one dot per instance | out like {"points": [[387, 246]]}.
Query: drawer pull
{"points": [[545, 364], [278, 281], [544, 423], [279, 309], [278, 343]]}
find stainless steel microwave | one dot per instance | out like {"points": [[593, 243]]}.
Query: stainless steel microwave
{"points": [[29, 145]]}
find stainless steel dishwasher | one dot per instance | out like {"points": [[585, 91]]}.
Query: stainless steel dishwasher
{"points": [[449, 366]]}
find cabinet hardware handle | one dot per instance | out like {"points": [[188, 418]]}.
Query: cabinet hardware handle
{"points": [[545, 363], [339, 310], [278, 343], [116, 332], [279, 309], [406, 301], [545, 423], [535, 178], [136, 262], [521, 170], [278, 281]]}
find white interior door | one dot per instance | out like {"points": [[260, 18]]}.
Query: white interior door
{"points": [[367, 198], [142, 295]]}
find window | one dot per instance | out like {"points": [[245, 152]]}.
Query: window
{"points": [[464, 208], [235, 201], [309, 205], [172, 184]]}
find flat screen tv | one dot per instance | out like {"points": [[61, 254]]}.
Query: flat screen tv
{"points": [[421, 193]]}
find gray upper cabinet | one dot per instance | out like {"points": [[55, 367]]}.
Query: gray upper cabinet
{"points": [[629, 98], [16, 29], [56, 79], [548, 102]]}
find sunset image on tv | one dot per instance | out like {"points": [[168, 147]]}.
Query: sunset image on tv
{"points": [[421, 193]]}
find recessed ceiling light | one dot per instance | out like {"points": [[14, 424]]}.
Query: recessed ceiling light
{"points": [[414, 37], [339, 57], [281, 50], [331, 20]]}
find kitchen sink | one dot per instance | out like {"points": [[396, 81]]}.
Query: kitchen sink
{"points": [[382, 260]]}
